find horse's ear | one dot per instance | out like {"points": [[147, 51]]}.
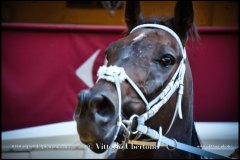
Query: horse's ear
{"points": [[183, 18], [133, 14]]}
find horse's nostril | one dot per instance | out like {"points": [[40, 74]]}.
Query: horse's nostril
{"points": [[102, 106], [97, 106]]}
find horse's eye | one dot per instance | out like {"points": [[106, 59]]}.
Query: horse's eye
{"points": [[167, 60]]}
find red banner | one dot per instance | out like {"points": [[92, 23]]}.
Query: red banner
{"points": [[45, 66]]}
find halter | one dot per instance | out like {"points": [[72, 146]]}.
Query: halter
{"points": [[117, 75]]}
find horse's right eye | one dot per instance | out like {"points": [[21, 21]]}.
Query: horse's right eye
{"points": [[167, 60]]}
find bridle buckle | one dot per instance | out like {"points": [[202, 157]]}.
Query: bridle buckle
{"points": [[129, 124]]}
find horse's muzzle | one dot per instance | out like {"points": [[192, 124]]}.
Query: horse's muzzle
{"points": [[94, 115], [98, 106]]}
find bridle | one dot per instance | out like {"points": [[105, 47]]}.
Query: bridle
{"points": [[117, 75]]}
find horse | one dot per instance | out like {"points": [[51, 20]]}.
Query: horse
{"points": [[145, 91]]}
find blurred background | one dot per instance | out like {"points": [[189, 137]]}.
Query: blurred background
{"points": [[207, 13]]}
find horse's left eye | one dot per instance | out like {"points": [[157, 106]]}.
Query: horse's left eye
{"points": [[167, 60]]}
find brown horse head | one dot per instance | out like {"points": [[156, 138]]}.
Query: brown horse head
{"points": [[149, 57]]}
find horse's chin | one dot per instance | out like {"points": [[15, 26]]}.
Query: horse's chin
{"points": [[101, 146], [98, 147]]}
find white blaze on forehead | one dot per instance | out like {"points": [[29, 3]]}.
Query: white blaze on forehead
{"points": [[140, 36]]}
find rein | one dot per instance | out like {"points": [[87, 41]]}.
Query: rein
{"points": [[117, 75]]}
